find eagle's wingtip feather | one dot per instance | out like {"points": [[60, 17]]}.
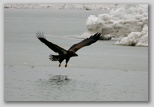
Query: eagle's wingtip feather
{"points": [[40, 35]]}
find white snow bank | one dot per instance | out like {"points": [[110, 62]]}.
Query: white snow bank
{"points": [[128, 20], [60, 6]]}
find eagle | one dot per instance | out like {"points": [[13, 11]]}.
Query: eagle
{"points": [[63, 53]]}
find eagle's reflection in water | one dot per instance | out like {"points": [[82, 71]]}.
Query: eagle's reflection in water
{"points": [[59, 78], [56, 81]]}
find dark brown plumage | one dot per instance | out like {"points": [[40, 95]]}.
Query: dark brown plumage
{"points": [[71, 52]]}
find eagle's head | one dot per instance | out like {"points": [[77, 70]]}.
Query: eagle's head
{"points": [[75, 55], [72, 54]]}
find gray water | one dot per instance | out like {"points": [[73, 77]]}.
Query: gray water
{"points": [[101, 72]]}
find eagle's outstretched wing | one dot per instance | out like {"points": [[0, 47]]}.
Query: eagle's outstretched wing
{"points": [[85, 42], [52, 46]]}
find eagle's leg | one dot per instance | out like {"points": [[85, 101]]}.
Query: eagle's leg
{"points": [[60, 61], [67, 61]]}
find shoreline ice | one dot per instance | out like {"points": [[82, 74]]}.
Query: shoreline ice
{"points": [[129, 21], [60, 6]]}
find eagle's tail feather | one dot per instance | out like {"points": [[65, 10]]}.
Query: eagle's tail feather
{"points": [[54, 57]]}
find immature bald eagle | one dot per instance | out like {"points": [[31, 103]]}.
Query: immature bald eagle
{"points": [[66, 54]]}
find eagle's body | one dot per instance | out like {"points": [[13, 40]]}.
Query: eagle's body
{"points": [[66, 54]]}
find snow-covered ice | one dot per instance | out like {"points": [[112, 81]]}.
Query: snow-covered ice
{"points": [[129, 21]]}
